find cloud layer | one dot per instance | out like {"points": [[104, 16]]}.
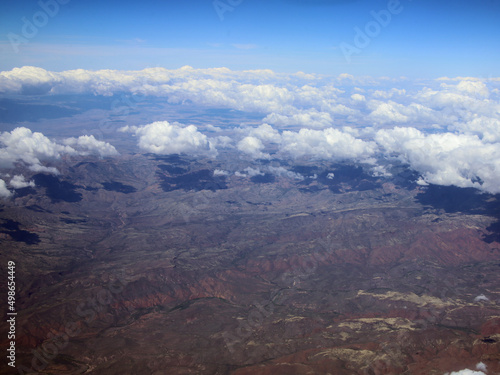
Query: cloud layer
{"points": [[304, 100], [448, 129]]}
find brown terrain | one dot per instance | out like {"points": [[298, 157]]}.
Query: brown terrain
{"points": [[150, 265]]}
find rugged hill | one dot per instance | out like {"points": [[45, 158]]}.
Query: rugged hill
{"points": [[154, 265]]}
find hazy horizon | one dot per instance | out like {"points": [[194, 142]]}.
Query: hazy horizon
{"points": [[417, 39]]}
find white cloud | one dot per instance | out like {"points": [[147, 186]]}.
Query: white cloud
{"points": [[380, 171], [330, 143], [283, 172], [446, 159], [358, 97], [28, 80], [473, 88], [277, 171], [388, 113], [253, 147], [481, 366], [266, 133], [310, 118], [164, 138], [4, 192], [250, 172], [487, 128], [382, 94], [346, 76], [481, 297], [34, 148], [213, 128], [466, 372], [392, 113], [222, 141], [21, 144], [256, 139], [19, 182], [460, 102], [220, 172], [87, 144]]}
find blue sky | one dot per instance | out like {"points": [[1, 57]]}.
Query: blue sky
{"points": [[424, 38]]}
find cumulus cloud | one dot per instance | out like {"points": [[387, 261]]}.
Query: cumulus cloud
{"points": [[222, 141], [380, 171], [220, 172], [28, 80], [308, 118], [34, 148], [388, 113], [165, 138], [213, 128], [253, 147], [4, 192], [391, 112], [250, 172], [330, 143], [266, 133], [481, 366], [19, 182], [283, 172], [21, 144], [277, 171], [358, 97], [460, 102], [87, 144], [487, 128], [471, 88], [446, 158]]}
